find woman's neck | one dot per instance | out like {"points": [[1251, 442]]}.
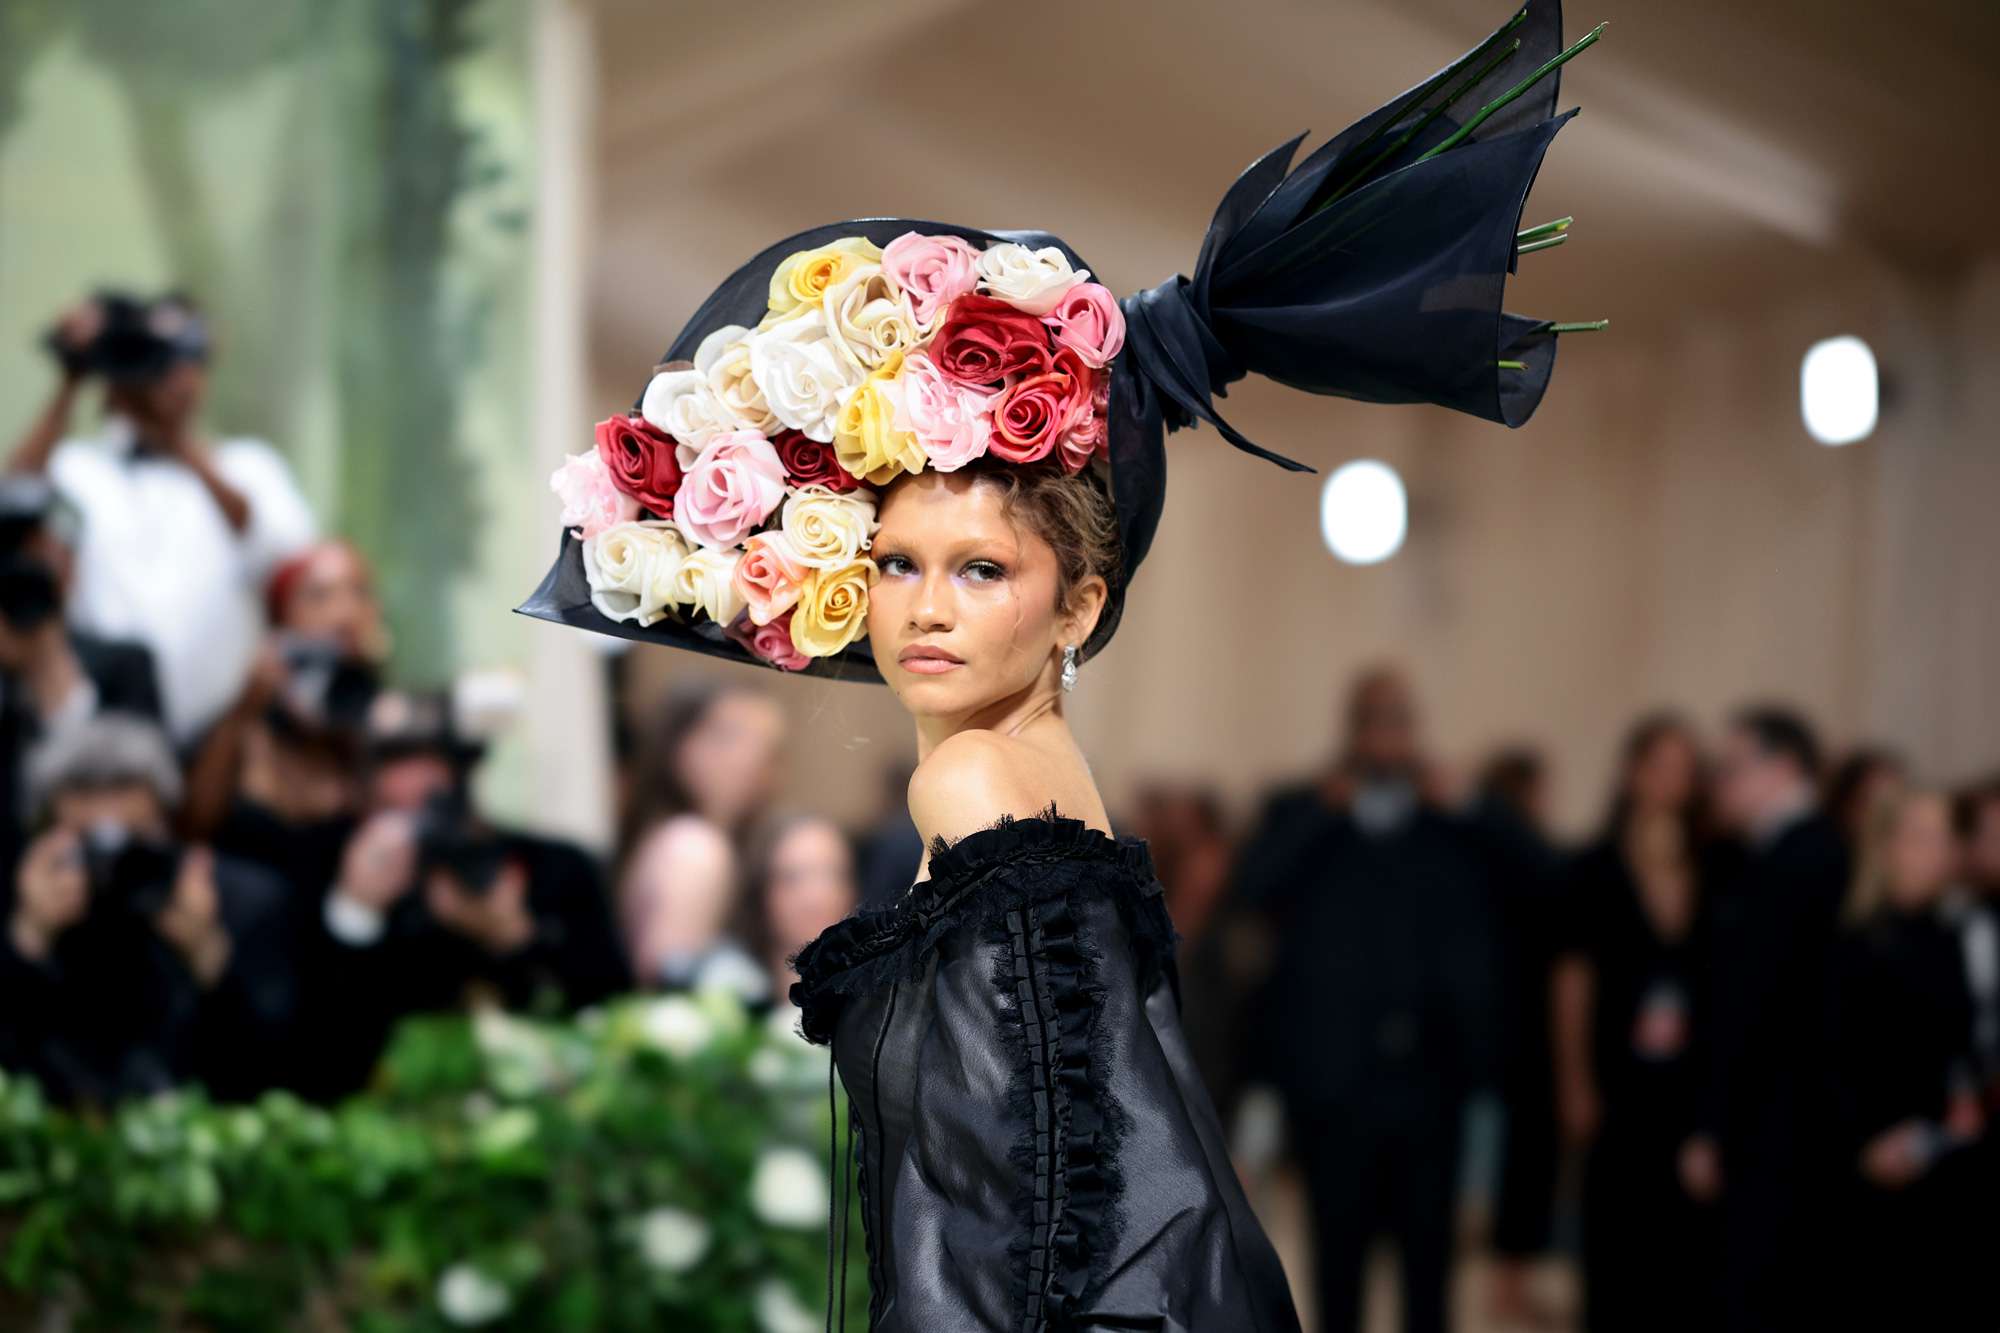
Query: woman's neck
{"points": [[1025, 714]]}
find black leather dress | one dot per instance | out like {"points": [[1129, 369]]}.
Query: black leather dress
{"points": [[1036, 1150]]}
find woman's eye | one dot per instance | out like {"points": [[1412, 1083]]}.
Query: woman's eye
{"points": [[891, 564], [985, 571]]}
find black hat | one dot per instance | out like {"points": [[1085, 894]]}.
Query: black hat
{"points": [[1372, 269]]}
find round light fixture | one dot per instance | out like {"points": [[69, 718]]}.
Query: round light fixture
{"points": [[1363, 512], [1839, 390]]}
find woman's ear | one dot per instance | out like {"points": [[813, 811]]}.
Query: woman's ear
{"points": [[1086, 604]]}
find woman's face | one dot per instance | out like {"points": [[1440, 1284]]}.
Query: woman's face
{"points": [[729, 760], [964, 613], [810, 884], [1664, 776], [1921, 852], [334, 600]]}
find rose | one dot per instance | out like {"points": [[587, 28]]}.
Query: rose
{"points": [[869, 322], [803, 276], [770, 643], [732, 487], [1089, 433], [1088, 321], [948, 419], [833, 608], [812, 463], [672, 1240], [706, 582], [591, 501], [931, 272], [768, 576], [1032, 414], [724, 361], [643, 462], [983, 341], [631, 568], [826, 530], [679, 401], [1028, 280], [803, 373], [865, 437]]}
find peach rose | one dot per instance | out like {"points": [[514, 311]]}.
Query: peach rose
{"points": [[768, 576]]}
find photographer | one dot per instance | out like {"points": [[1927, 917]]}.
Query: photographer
{"points": [[132, 964], [50, 674], [177, 536], [435, 905]]}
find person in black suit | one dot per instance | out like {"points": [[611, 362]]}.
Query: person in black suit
{"points": [[1377, 1021], [1762, 1147], [50, 674]]}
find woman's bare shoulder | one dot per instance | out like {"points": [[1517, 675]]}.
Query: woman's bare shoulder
{"points": [[971, 779]]}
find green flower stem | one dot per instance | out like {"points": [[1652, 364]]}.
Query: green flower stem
{"points": [[1587, 326], [1465, 86], [1513, 365], [1516, 91], [1546, 243], [1533, 233]]}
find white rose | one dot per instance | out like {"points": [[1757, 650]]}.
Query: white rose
{"points": [[672, 1240], [681, 403], [789, 1189], [468, 1297], [706, 582], [1028, 280], [870, 323], [632, 567], [826, 529], [724, 361], [779, 1311], [674, 1024], [803, 373]]}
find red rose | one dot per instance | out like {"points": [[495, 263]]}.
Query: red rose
{"points": [[811, 463], [1032, 415], [984, 342], [642, 462]]}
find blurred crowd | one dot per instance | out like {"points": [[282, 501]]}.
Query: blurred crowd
{"points": [[1747, 1036]]}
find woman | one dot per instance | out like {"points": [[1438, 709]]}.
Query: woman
{"points": [[801, 881], [933, 456], [1622, 995], [676, 898], [1909, 1101]]}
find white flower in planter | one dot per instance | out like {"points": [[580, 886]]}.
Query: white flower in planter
{"points": [[788, 1189], [676, 1025], [672, 1240], [779, 1311], [468, 1297]]}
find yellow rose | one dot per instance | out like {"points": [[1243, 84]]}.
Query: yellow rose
{"points": [[833, 608], [804, 275], [865, 439]]}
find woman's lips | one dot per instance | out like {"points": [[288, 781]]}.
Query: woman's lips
{"points": [[930, 666]]}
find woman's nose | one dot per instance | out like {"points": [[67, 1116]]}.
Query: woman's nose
{"points": [[932, 608]]}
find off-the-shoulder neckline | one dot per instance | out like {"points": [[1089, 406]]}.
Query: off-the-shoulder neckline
{"points": [[954, 861]]}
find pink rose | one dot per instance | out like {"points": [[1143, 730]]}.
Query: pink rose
{"points": [[736, 481], [770, 643], [931, 270], [1032, 414], [949, 419], [591, 501], [768, 576], [1088, 321], [1087, 436]]}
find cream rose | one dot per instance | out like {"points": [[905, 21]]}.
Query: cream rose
{"points": [[724, 361], [681, 403], [825, 529], [1029, 280], [833, 608], [803, 373], [869, 322], [631, 567], [706, 582]]}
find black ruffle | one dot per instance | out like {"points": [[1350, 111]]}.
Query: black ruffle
{"points": [[875, 947]]}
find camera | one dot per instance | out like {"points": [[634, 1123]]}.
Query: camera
{"points": [[129, 874], [136, 340], [326, 690], [450, 837]]}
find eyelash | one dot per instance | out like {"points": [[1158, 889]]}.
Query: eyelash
{"points": [[999, 570]]}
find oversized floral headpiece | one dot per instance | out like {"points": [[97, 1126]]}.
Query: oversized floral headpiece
{"points": [[732, 511]]}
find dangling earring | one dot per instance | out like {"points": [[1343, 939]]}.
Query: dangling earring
{"points": [[1069, 666]]}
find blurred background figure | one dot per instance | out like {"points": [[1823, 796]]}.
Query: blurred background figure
{"points": [[1859, 784], [890, 846], [801, 882], [152, 468], [1909, 1103], [711, 749], [678, 900], [1761, 1148], [1630, 963], [1378, 1021]]}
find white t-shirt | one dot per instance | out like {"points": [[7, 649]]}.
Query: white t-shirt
{"points": [[157, 561]]}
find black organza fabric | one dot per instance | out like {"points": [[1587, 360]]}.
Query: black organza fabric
{"points": [[1359, 272], [1037, 1151]]}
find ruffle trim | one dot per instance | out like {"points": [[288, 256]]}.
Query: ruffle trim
{"points": [[970, 880]]}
